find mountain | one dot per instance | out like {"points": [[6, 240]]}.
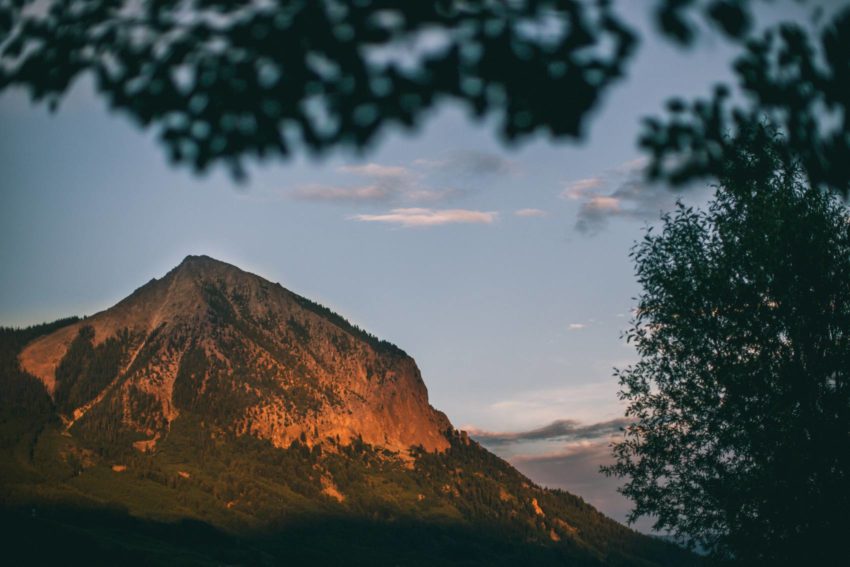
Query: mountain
{"points": [[213, 417], [237, 351]]}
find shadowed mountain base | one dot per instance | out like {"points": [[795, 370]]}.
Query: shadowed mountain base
{"points": [[110, 537]]}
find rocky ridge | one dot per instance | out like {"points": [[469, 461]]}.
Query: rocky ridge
{"points": [[241, 352]]}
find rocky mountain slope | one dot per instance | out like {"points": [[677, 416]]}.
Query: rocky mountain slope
{"points": [[242, 352], [280, 430]]}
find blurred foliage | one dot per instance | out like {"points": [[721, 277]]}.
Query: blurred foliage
{"points": [[679, 20], [788, 79], [741, 396], [223, 81]]}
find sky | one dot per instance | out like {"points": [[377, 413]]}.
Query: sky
{"points": [[503, 271]]}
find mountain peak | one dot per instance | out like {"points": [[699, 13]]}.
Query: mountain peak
{"points": [[200, 258], [203, 261], [207, 266], [212, 340]]}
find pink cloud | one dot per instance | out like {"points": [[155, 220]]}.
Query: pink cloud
{"points": [[529, 213], [579, 189], [416, 217], [333, 193]]}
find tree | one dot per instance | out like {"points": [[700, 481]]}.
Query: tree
{"points": [[226, 81], [740, 400]]}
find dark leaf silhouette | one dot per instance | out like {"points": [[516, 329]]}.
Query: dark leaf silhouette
{"points": [[224, 82], [679, 19], [791, 81], [221, 81]]}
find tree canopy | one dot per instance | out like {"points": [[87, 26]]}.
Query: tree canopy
{"points": [[740, 400], [223, 81]]}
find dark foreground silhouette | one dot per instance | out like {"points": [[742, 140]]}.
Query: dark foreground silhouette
{"points": [[111, 537]]}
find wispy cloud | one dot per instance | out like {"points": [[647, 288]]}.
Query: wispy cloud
{"points": [[416, 217], [577, 326], [595, 449], [567, 454], [632, 199], [383, 183], [419, 182], [637, 164], [377, 170], [607, 205], [330, 193], [560, 430], [530, 213], [576, 469], [468, 162], [619, 192], [579, 189], [590, 402]]}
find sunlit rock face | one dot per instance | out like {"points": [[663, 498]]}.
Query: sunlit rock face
{"points": [[240, 353]]}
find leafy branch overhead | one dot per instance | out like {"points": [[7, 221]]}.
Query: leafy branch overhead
{"points": [[223, 82], [789, 80]]}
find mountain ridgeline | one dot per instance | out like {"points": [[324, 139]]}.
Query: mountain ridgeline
{"points": [[214, 417]]}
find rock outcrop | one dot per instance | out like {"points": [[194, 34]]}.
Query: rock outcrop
{"points": [[240, 352]]}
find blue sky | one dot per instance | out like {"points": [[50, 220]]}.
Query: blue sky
{"points": [[503, 271]]}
